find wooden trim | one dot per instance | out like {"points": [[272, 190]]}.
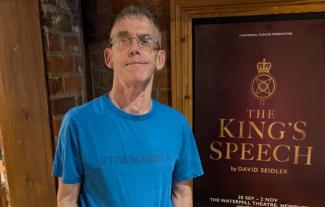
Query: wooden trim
{"points": [[24, 117], [183, 11]]}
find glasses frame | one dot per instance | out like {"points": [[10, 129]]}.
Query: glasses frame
{"points": [[137, 38]]}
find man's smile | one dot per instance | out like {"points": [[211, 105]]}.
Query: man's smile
{"points": [[136, 63]]}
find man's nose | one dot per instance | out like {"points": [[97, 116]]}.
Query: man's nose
{"points": [[134, 47]]}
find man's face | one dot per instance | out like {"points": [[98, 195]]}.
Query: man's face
{"points": [[133, 64]]}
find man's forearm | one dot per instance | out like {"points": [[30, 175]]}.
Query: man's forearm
{"points": [[182, 200], [182, 194], [68, 194], [66, 203]]}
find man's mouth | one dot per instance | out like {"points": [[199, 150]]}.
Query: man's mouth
{"points": [[135, 63]]}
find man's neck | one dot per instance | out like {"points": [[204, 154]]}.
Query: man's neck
{"points": [[133, 100]]}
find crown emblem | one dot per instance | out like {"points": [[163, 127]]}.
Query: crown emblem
{"points": [[263, 86], [263, 67]]}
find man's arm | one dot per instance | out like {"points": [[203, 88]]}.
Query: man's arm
{"points": [[68, 194], [182, 194]]}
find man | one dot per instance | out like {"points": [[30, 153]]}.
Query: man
{"points": [[124, 149]]}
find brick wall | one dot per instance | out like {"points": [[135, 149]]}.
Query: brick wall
{"points": [[64, 56], [98, 16]]}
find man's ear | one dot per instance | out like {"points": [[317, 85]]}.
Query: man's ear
{"points": [[108, 57], [161, 58]]}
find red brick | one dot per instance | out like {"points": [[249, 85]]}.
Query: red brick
{"points": [[78, 64], [55, 86], [56, 124], [59, 64], [62, 105], [72, 44], [47, 18], [53, 42], [73, 84], [57, 21], [70, 5], [76, 25], [62, 22]]}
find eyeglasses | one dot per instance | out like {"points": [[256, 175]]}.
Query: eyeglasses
{"points": [[145, 42]]}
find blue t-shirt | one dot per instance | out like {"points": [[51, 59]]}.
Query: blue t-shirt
{"points": [[121, 159]]}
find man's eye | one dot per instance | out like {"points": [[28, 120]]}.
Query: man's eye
{"points": [[124, 40], [145, 39]]}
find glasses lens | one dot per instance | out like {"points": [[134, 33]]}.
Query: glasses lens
{"points": [[122, 41], [146, 42]]}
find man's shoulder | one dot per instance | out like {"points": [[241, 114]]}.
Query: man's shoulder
{"points": [[167, 110], [92, 107]]}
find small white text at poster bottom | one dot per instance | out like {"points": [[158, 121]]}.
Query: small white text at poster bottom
{"points": [[252, 201]]}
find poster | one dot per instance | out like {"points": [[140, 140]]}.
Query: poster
{"points": [[259, 113]]}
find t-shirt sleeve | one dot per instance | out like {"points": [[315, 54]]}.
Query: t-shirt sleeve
{"points": [[188, 165], [67, 162]]}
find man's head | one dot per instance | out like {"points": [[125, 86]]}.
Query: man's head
{"points": [[134, 47]]}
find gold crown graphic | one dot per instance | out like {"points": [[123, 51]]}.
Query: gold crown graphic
{"points": [[264, 67]]}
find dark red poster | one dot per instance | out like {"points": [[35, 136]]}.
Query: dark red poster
{"points": [[259, 113]]}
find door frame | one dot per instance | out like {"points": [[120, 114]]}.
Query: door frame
{"points": [[24, 117]]}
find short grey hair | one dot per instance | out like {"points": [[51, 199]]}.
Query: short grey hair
{"points": [[137, 12]]}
